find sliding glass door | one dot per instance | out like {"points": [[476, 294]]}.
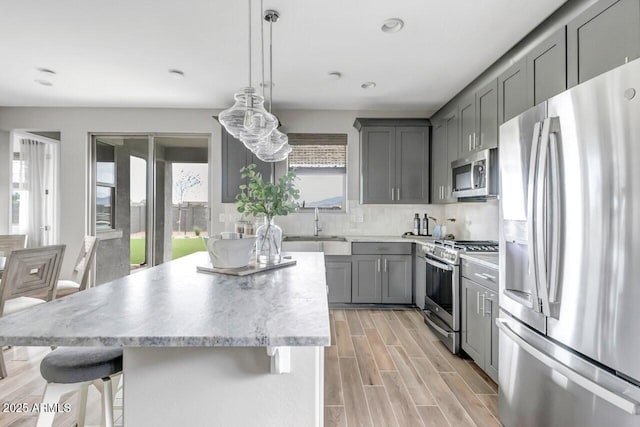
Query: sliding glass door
{"points": [[150, 201]]}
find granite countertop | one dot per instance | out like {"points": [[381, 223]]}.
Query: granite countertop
{"points": [[488, 260], [390, 239], [172, 305]]}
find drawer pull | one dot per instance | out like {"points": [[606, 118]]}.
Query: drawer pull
{"points": [[486, 276]]}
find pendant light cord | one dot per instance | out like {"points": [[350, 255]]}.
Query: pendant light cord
{"points": [[270, 64], [262, 41], [249, 43]]}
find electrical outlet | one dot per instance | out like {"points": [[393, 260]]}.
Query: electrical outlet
{"points": [[359, 218], [222, 217]]}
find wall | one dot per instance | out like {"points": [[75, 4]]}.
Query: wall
{"points": [[5, 181], [478, 221]]}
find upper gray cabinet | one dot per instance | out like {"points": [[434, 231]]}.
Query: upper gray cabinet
{"points": [[444, 150], [514, 96], [394, 160], [603, 37], [547, 67], [235, 156], [479, 120]]}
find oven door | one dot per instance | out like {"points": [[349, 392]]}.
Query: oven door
{"points": [[443, 292]]}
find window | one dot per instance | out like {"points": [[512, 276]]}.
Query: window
{"points": [[105, 186], [320, 161]]}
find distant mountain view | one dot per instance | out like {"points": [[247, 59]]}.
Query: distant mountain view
{"points": [[332, 202]]}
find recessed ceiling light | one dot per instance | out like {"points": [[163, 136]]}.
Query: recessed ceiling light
{"points": [[176, 74], [335, 75], [392, 25], [43, 82], [368, 85]]}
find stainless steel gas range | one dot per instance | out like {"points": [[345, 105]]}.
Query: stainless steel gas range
{"points": [[441, 260]]}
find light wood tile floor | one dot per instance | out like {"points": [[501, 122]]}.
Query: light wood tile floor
{"points": [[386, 368], [25, 385]]}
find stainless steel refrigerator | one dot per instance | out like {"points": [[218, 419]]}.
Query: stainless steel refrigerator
{"points": [[570, 258]]}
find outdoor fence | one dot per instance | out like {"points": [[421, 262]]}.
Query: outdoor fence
{"points": [[193, 215]]}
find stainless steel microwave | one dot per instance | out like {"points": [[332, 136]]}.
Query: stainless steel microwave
{"points": [[476, 175]]}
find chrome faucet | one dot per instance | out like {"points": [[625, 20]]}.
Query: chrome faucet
{"points": [[316, 225]]}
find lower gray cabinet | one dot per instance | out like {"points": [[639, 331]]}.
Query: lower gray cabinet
{"points": [[381, 279], [366, 278], [479, 330], [473, 330], [396, 279], [338, 270]]}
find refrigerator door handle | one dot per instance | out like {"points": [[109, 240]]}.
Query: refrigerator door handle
{"points": [[623, 402], [540, 219], [556, 208], [531, 202]]}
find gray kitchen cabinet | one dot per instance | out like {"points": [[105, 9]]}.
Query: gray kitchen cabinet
{"points": [[487, 117], [473, 329], [381, 272], [491, 353], [394, 160], [444, 151], [547, 67], [412, 164], [235, 156], [467, 125], [479, 120], [439, 163], [366, 278], [378, 164], [603, 37], [338, 273], [419, 282], [479, 301], [514, 96], [397, 279]]}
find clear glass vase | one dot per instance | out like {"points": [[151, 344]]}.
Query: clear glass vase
{"points": [[268, 242]]}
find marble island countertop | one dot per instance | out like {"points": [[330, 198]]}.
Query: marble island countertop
{"points": [[172, 305]]}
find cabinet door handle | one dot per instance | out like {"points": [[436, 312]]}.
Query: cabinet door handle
{"points": [[392, 194], [398, 193], [483, 297], [378, 265], [477, 302], [385, 265], [442, 192], [470, 143]]}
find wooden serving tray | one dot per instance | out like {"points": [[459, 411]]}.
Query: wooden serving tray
{"points": [[252, 268]]}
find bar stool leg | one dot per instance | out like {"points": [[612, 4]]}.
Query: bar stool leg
{"points": [[82, 405], [107, 396], [3, 368], [52, 395]]}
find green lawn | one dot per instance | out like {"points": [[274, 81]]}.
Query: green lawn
{"points": [[179, 248]]}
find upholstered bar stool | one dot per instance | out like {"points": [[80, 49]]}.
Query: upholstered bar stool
{"points": [[71, 369]]}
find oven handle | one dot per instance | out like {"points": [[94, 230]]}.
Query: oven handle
{"points": [[438, 264], [427, 318]]}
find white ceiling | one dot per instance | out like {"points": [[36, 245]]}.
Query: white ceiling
{"points": [[117, 53]]}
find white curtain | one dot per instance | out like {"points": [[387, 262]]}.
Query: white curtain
{"points": [[38, 170]]}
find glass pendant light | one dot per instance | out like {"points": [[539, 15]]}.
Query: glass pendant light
{"points": [[247, 119], [277, 156], [275, 147]]}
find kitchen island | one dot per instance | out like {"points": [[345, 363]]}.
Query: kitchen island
{"points": [[201, 349]]}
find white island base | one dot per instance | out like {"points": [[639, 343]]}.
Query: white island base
{"points": [[221, 386]]}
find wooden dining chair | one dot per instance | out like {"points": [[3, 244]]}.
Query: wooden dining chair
{"points": [[11, 242], [29, 273], [81, 269]]}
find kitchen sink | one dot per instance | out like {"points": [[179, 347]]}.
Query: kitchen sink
{"points": [[314, 239]]}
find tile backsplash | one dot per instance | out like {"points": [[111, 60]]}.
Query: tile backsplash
{"points": [[473, 220]]}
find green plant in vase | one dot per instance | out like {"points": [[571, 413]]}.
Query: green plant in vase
{"points": [[268, 200]]}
